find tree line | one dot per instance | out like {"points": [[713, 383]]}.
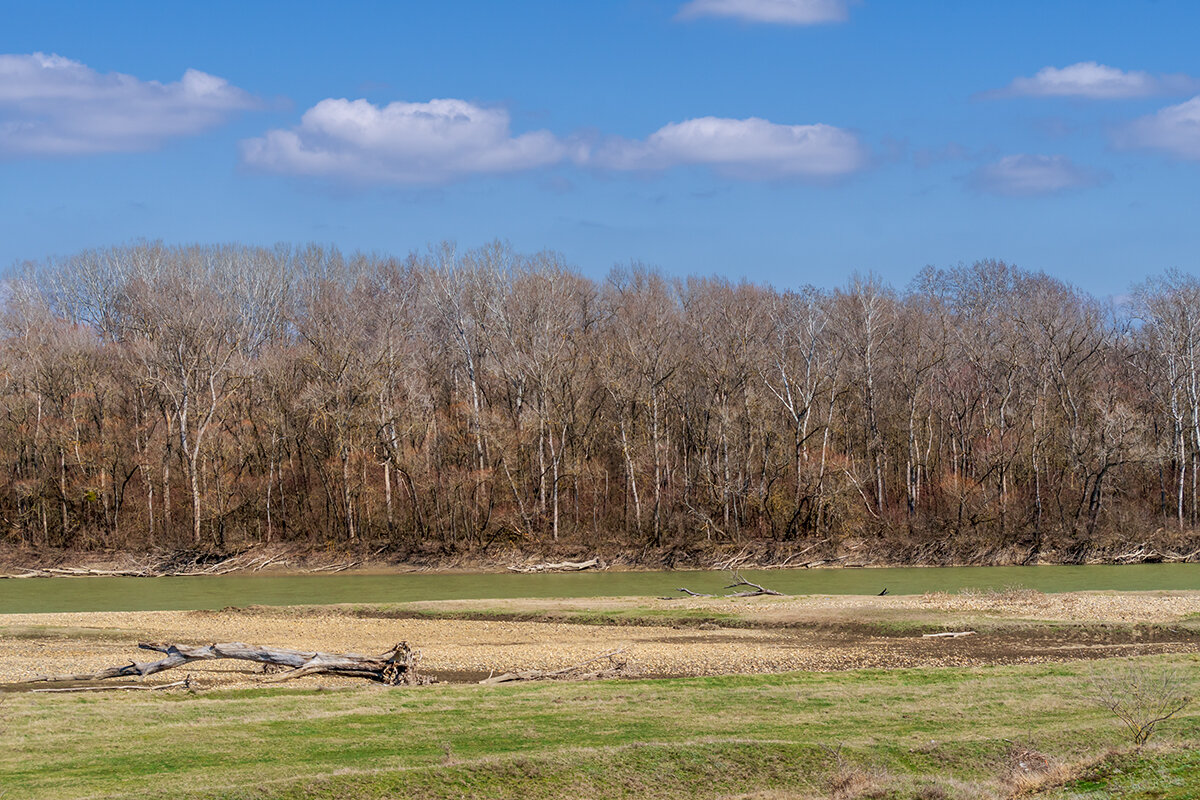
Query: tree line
{"points": [[450, 401]]}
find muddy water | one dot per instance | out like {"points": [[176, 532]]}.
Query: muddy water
{"points": [[146, 594]]}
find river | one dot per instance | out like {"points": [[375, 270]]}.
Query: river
{"points": [[33, 595]]}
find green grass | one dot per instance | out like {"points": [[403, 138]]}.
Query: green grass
{"points": [[1150, 775], [66, 632], [634, 616], [698, 737]]}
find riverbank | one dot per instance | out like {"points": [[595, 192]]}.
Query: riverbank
{"points": [[23, 562]]}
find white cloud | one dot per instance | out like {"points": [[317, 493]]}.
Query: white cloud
{"points": [[402, 143], [1094, 81], [742, 148], [51, 106], [1025, 175], [441, 140], [783, 12], [1174, 130]]}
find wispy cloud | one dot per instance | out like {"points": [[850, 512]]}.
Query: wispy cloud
{"points": [[1094, 81], [402, 143], [779, 12], [53, 106], [751, 148], [1028, 175], [1175, 130]]}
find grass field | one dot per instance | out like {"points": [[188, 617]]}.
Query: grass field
{"points": [[930, 734]]}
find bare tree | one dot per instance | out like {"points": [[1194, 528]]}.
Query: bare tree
{"points": [[1169, 307], [190, 319], [1141, 699], [642, 324], [457, 398]]}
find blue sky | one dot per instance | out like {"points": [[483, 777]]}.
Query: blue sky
{"points": [[783, 141]]}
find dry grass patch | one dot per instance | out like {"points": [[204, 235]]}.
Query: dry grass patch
{"points": [[1029, 771], [851, 780]]}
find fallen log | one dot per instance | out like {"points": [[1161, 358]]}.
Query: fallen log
{"points": [[396, 666], [186, 683], [947, 635], [224, 567], [614, 670], [336, 567], [561, 566], [48, 572]]}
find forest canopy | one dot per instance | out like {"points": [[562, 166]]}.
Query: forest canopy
{"points": [[451, 401]]}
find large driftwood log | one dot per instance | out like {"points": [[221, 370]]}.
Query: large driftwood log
{"points": [[54, 572], [560, 566], [396, 666], [241, 562], [186, 683]]}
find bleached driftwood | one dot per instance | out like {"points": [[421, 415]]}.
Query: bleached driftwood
{"points": [[690, 593], [52, 572], [947, 635], [561, 566], [396, 666], [754, 591], [243, 562], [613, 670], [186, 683]]}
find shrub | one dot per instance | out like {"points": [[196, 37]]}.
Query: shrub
{"points": [[1141, 699]]}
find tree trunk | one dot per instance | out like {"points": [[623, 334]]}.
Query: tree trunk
{"points": [[397, 666]]}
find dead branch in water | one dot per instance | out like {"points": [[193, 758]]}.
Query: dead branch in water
{"points": [[690, 593], [396, 666], [754, 591]]}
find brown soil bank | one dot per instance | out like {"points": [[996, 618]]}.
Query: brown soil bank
{"points": [[695, 637], [295, 558]]}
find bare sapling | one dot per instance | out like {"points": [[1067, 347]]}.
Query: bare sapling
{"points": [[1141, 699]]}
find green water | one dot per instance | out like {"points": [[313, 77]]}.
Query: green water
{"points": [[150, 594]]}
